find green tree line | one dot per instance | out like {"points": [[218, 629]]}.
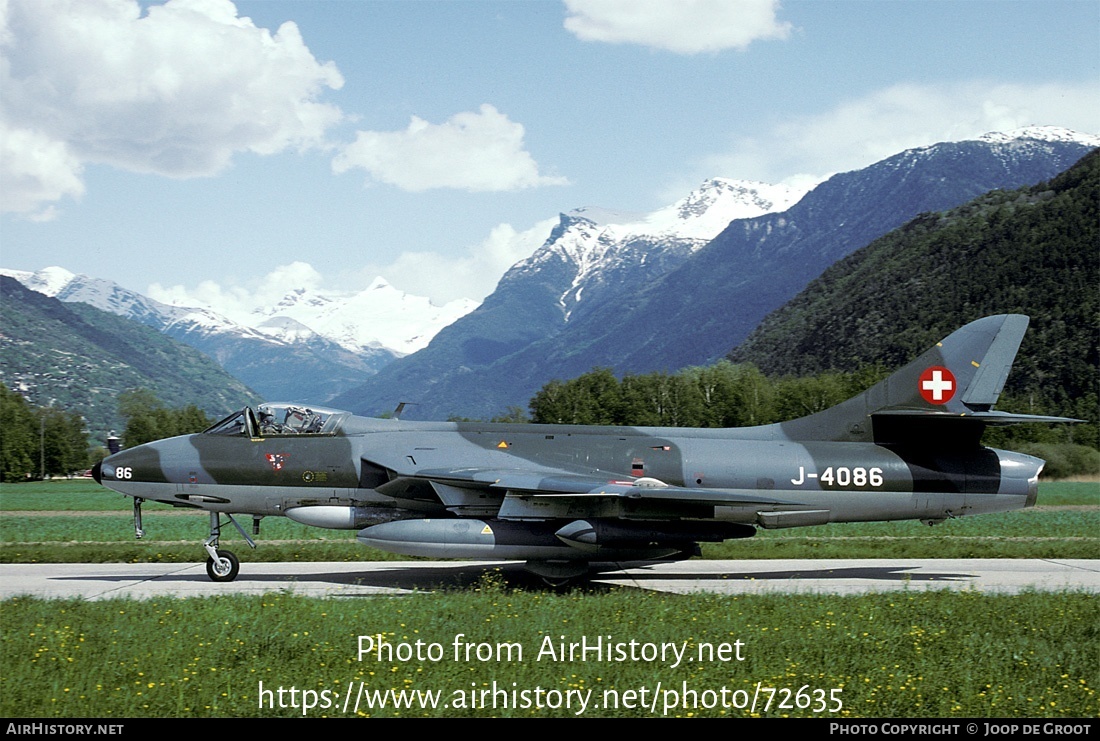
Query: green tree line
{"points": [[148, 419], [37, 441], [720, 395], [740, 395]]}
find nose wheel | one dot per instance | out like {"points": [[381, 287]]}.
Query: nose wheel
{"points": [[224, 566]]}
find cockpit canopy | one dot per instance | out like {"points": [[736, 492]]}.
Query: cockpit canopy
{"points": [[278, 419]]}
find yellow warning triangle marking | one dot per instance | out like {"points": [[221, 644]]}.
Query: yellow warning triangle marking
{"points": [[486, 530], [502, 444]]}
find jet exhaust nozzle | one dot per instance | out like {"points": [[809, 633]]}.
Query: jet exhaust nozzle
{"points": [[1020, 475]]}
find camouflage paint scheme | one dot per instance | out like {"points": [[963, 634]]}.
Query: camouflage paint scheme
{"points": [[561, 497]]}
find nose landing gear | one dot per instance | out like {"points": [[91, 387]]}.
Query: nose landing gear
{"points": [[222, 565]]}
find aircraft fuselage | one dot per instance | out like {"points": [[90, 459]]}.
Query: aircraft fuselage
{"points": [[842, 481], [562, 496]]}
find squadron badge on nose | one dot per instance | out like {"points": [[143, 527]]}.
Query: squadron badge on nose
{"points": [[277, 460]]}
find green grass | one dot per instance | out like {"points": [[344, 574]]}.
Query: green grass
{"points": [[1061, 493], [83, 495], [96, 526], [898, 655], [87, 496], [164, 527], [909, 654]]}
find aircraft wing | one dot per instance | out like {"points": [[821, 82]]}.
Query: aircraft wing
{"points": [[547, 492]]}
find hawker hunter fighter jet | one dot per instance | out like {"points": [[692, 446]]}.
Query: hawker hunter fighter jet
{"points": [[562, 497]]}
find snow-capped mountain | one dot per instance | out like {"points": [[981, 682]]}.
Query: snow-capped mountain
{"points": [[598, 246], [106, 295], [1031, 134], [379, 316], [592, 297], [309, 347], [593, 260], [675, 287], [699, 215], [79, 358]]}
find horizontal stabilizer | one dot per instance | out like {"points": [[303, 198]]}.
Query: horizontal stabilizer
{"points": [[986, 418]]}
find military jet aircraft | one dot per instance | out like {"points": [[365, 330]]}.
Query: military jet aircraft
{"points": [[563, 497]]}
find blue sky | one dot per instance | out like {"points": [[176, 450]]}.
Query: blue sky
{"points": [[198, 147]]}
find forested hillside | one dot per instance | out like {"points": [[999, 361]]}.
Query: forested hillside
{"points": [[692, 311], [80, 359], [1033, 251]]}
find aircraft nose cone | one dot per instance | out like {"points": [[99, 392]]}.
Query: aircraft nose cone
{"points": [[97, 472]]}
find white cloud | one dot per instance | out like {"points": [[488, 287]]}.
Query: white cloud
{"points": [[862, 131], [473, 275], [235, 301], [480, 151], [35, 169], [175, 91], [681, 26], [469, 274]]}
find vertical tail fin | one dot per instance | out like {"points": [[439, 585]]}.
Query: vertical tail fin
{"points": [[959, 379]]}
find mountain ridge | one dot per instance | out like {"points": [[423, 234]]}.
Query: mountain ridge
{"points": [[590, 258], [636, 292], [694, 311], [91, 356], [1030, 251], [278, 355]]}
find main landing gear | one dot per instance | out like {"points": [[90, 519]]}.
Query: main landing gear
{"points": [[558, 574]]}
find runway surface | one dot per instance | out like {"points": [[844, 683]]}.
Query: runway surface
{"points": [[364, 579]]}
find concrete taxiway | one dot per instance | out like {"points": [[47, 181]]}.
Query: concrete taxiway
{"points": [[364, 579]]}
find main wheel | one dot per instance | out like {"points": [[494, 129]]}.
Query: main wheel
{"points": [[225, 568]]}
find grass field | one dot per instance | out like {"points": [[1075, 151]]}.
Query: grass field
{"points": [[80, 522], [935, 654], [899, 655]]}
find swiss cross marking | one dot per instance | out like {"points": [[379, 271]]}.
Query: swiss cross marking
{"points": [[937, 385]]}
